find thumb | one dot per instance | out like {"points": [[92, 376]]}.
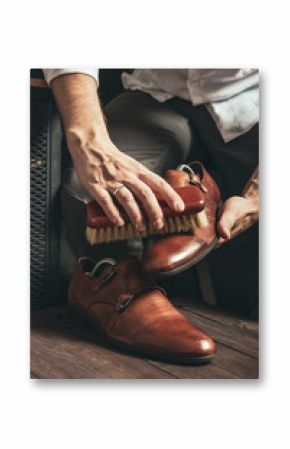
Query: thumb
{"points": [[226, 222]]}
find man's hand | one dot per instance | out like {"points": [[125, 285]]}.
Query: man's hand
{"points": [[103, 170], [237, 215]]}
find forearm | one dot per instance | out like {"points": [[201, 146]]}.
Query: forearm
{"points": [[78, 104], [100, 166], [251, 189]]}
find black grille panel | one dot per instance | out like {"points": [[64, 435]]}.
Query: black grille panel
{"points": [[45, 175], [38, 209]]}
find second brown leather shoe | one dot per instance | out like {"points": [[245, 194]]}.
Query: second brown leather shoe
{"points": [[174, 253], [135, 314]]}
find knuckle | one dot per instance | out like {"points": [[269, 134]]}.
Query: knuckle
{"points": [[144, 191], [102, 196], [169, 191], [130, 177], [156, 212], [158, 215], [161, 182], [110, 208], [127, 197], [151, 204], [136, 217], [165, 186]]}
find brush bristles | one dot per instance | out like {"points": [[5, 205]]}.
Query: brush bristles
{"points": [[172, 225]]}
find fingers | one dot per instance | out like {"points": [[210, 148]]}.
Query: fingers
{"points": [[149, 202], [104, 199], [165, 191], [219, 243], [142, 188], [236, 229], [230, 215], [127, 200], [225, 225]]}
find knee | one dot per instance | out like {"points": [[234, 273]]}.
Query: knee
{"points": [[137, 122]]}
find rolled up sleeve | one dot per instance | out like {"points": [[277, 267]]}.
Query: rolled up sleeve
{"points": [[51, 74]]}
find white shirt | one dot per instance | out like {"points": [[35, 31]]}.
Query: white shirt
{"points": [[230, 95]]}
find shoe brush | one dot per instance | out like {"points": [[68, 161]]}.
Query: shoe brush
{"points": [[101, 230]]}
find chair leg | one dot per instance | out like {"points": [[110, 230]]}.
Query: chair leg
{"points": [[205, 282]]}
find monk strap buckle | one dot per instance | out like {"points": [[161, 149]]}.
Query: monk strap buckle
{"points": [[123, 304], [108, 277], [186, 168], [198, 184]]}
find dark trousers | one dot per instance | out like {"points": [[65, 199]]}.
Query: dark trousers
{"points": [[161, 136]]}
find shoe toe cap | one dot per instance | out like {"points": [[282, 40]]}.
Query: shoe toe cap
{"points": [[177, 339], [205, 346]]}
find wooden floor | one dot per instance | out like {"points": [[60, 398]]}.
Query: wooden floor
{"points": [[63, 348]]}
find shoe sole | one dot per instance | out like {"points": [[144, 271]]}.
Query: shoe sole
{"points": [[180, 269], [178, 360]]}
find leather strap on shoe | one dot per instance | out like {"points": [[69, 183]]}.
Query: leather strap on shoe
{"points": [[193, 179], [126, 299]]}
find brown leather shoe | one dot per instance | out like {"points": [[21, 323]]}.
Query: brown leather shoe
{"points": [[135, 314], [174, 253]]}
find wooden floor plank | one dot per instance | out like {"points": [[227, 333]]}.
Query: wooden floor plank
{"points": [[63, 348], [228, 364], [230, 334], [227, 318]]}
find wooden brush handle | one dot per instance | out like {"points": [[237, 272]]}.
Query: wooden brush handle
{"points": [[191, 195]]}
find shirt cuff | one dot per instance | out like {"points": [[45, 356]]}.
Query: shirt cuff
{"points": [[51, 74]]}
